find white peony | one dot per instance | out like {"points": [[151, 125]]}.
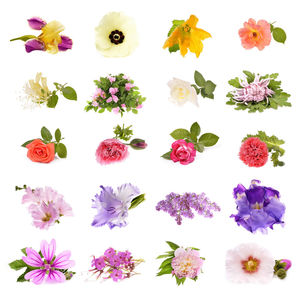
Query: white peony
{"points": [[249, 263], [116, 35], [182, 91]]}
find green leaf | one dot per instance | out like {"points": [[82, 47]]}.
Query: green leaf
{"points": [[21, 278], [199, 80], [180, 281], [57, 135], [61, 150], [209, 87], [279, 35], [24, 38], [69, 93], [250, 76], [27, 142], [170, 254], [176, 23], [166, 262], [24, 251], [167, 155], [174, 48], [52, 101], [172, 245], [196, 88], [134, 111], [166, 270], [235, 82], [208, 139], [180, 134], [137, 200], [17, 264], [195, 130], [46, 134], [199, 147]]}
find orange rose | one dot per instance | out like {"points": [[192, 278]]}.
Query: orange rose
{"points": [[40, 152]]}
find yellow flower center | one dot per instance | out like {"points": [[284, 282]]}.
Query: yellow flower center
{"points": [[187, 28], [50, 36], [47, 217], [250, 265]]}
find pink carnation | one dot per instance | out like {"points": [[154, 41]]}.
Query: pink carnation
{"points": [[186, 263], [183, 151], [111, 150]]}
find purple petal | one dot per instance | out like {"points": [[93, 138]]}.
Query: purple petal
{"points": [[55, 276], [240, 189], [37, 276], [62, 260], [33, 258], [66, 43], [36, 23], [34, 44], [256, 195], [48, 250]]}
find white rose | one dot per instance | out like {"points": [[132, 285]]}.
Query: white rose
{"points": [[182, 91]]}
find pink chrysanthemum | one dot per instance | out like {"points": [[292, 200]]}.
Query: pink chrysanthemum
{"points": [[256, 91], [186, 263], [254, 152]]}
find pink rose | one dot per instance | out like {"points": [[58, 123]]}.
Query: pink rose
{"points": [[183, 152], [111, 150]]}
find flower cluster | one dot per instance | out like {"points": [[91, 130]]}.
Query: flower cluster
{"points": [[44, 266], [179, 206], [116, 35], [115, 265], [116, 93], [250, 263], [182, 263], [257, 93], [255, 150], [184, 149], [113, 150], [184, 35], [49, 40], [113, 206], [44, 150], [259, 207], [182, 91], [259, 34], [37, 92], [46, 207]]}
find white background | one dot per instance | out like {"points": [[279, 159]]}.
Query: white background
{"points": [[217, 171]]}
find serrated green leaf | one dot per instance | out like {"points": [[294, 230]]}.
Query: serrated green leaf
{"points": [[208, 139], [250, 76], [209, 87], [46, 134], [61, 150], [69, 93], [235, 82], [199, 80], [172, 245], [17, 264], [279, 35], [180, 134], [167, 155]]}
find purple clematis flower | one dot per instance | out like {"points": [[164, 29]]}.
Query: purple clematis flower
{"points": [[113, 206], [34, 44], [258, 207], [47, 268], [66, 43], [36, 23]]}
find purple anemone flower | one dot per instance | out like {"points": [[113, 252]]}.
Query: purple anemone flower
{"points": [[66, 43], [259, 207], [47, 268], [113, 206], [36, 23], [34, 44]]}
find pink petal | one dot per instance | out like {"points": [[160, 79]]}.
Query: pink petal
{"points": [[55, 277], [33, 258], [109, 99], [37, 276], [48, 250], [62, 260]]}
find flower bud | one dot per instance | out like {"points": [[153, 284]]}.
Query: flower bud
{"points": [[138, 144], [281, 273], [66, 43], [286, 263], [36, 23], [34, 44]]}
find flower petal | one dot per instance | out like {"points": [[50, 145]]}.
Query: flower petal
{"points": [[37, 276], [33, 258], [34, 44], [66, 43], [48, 250], [55, 276], [62, 260], [36, 23]]}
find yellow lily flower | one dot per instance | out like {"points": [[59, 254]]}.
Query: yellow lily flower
{"points": [[50, 36], [188, 36]]}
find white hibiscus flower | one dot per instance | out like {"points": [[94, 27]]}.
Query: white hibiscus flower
{"points": [[116, 35]]}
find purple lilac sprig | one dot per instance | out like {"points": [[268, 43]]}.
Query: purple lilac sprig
{"points": [[179, 206], [115, 265]]}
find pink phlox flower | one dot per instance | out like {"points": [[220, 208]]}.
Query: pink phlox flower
{"points": [[113, 90], [110, 252], [116, 275], [47, 269], [116, 110], [128, 86], [111, 79]]}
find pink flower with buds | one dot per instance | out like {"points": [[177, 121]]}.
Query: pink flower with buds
{"points": [[99, 92], [116, 110], [128, 86], [111, 79], [95, 103]]}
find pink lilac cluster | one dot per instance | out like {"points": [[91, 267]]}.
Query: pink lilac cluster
{"points": [[46, 206], [256, 91], [46, 266], [179, 206], [115, 265], [187, 263]]}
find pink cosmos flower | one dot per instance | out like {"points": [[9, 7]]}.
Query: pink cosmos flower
{"points": [[111, 150], [183, 152], [111, 79], [47, 269], [128, 86], [256, 91], [43, 215], [186, 263], [255, 34]]}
